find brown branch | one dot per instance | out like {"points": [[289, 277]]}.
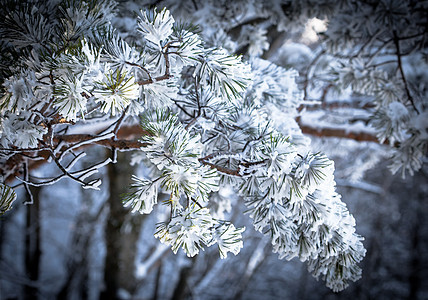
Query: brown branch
{"points": [[335, 105], [159, 78], [164, 76], [220, 168], [340, 133], [253, 163], [127, 140], [235, 31], [119, 144], [140, 67]]}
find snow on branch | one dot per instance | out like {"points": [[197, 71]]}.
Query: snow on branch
{"points": [[208, 120]]}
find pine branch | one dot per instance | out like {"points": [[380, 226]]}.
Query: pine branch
{"points": [[400, 67], [83, 139], [166, 75], [124, 143]]}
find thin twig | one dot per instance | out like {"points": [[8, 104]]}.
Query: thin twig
{"points": [[119, 121], [400, 67], [198, 101], [156, 79], [306, 82], [64, 171], [182, 109], [220, 168], [27, 188], [370, 40], [86, 141], [166, 75], [140, 67]]}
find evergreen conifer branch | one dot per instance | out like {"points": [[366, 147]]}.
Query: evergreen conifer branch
{"points": [[210, 119]]}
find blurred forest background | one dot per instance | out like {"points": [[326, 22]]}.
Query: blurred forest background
{"points": [[81, 244], [58, 246]]}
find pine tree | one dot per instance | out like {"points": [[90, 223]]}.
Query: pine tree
{"points": [[208, 118]]}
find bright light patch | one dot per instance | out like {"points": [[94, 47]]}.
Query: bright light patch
{"points": [[312, 28]]}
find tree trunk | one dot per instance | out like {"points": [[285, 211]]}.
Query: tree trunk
{"points": [[76, 282], [32, 244], [130, 238], [3, 222], [157, 283], [182, 288], [254, 263], [302, 286], [416, 263], [122, 231]]}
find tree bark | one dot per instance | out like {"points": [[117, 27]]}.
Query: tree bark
{"points": [[182, 288], [416, 263], [128, 252], [78, 265], [32, 244], [121, 234], [157, 282]]}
